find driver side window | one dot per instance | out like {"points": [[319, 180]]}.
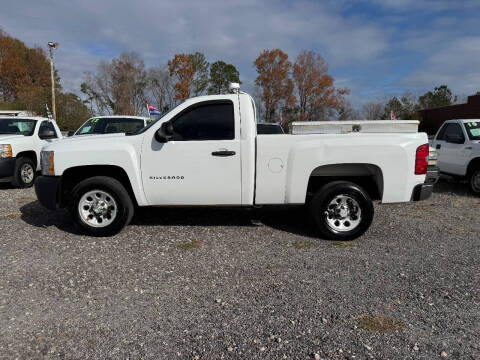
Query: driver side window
{"points": [[213, 120], [454, 130]]}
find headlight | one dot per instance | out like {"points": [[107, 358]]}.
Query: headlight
{"points": [[46, 158], [5, 150]]}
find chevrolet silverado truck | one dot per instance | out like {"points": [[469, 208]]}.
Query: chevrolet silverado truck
{"points": [[206, 152], [21, 140], [458, 150]]}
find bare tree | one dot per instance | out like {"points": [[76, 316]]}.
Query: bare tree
{"points": [[160, 90], [373, 110], [117, 87]]}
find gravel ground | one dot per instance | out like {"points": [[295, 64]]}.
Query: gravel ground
{"points": [[210, 284]]}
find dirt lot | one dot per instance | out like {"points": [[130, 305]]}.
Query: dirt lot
{"points": [[208, 284]]}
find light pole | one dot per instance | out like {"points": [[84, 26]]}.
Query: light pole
{"points": [[52, 45]]}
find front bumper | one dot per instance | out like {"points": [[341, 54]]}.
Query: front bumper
{"points": [[7, 167], [47, 189], [424, 191]]}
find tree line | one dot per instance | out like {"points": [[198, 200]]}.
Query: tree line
{"points": [[285, 91], [25, 83], [124, 85]]}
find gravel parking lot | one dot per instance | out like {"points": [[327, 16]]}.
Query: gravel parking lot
{"points": [[220, 283]]}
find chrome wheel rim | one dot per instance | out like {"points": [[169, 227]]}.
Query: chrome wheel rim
{"points": [[97, 208], [27, 173], [476, 181], [343, 213]]}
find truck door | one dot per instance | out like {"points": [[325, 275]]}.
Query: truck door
{"points": [[201, 165], [450, 143]]}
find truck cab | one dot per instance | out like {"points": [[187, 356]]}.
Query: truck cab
{"points": [[21, 140], [206, 152], [457, 143]]}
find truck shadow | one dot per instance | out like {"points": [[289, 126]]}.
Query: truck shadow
{"points": [[450, 185], [292, 219], [35, 214]]}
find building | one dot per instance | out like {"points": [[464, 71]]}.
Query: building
{"points": [[432, 119]]}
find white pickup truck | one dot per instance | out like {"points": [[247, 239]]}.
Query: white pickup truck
{"points": [[21, 140], [206, 152], [458, 150]]}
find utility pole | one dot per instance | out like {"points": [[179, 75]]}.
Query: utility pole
{"points": [[53, 45]]}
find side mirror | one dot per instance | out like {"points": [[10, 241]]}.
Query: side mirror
{"points": [[165, 133], [454, 139], [70, 133], [46, 134]]}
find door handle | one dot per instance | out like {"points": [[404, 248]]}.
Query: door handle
{"points": [[439, 146], [223, 153], [468, 148]]}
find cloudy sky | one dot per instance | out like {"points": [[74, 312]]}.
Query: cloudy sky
{"points": [[374, 47]]}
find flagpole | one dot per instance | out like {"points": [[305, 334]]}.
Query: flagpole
{"points": [[148, 112]]}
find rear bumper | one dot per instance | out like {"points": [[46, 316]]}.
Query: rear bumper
{"points": [[7, 167], [432, 175], [47, 189], [424, 191]]}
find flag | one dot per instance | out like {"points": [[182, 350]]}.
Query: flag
{"points": [[392, 115], [153, 111]]}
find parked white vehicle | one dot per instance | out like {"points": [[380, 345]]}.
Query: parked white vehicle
{"points": [[21, 140], [206, 152], [458, 150], [111, 124]]}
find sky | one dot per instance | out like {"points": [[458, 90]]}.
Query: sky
{"points": [[376, 48]]}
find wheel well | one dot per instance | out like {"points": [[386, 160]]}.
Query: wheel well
{"points": [[30, 154], [367, 176], [474, 164], [73, 176]]}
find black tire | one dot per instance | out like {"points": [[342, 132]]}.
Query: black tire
{"points": [[20, 181], [474, 181], [321, 204], [110, 186]]}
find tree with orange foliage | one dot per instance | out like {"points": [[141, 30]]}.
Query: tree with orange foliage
{"points": [[315, 90], [274, 80], [181, 68]]}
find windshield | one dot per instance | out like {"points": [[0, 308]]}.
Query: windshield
{"points": [[110, 126], [473, 130], [15, 126]]}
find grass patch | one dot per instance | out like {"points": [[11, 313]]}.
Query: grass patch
{"points": [[11, 215], [344, 243], [303, 244], [195, 244], [379, 324]]}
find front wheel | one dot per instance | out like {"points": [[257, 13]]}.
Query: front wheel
{"points": [[24, 173], [341, 210], [100, 206], [475, 181]]}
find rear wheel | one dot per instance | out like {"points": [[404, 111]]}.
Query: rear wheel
{"points": [[24, 173], [100, 206], [475, 181], [341, 210]]}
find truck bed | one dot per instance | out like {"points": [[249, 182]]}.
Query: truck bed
{"points": [[285, 163]]}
